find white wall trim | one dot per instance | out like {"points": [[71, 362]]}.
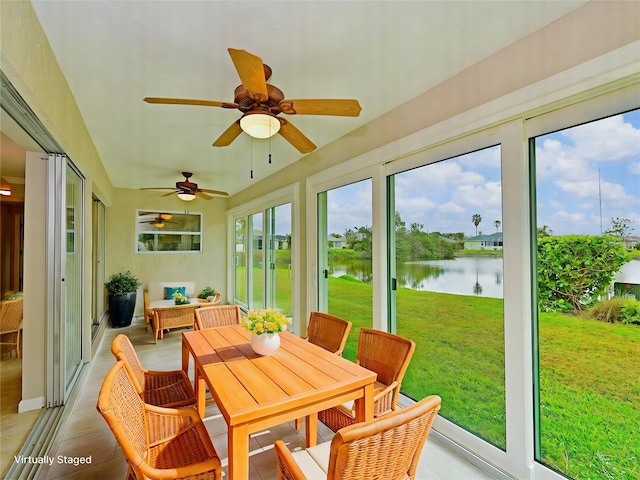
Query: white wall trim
{"points": [[28, 404]]}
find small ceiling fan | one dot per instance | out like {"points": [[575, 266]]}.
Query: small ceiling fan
{"points": [[160, 220], [260, 103], [187, 190]]}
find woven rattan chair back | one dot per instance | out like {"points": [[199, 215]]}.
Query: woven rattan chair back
{"points": [[328, 331], [391, 444], [11, 326], [124, 412], [218, 316], [166, 318], [384, 353], [122, 349], [387, 447]]}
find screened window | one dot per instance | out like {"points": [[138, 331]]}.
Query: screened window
{"points": [[162, 232]]}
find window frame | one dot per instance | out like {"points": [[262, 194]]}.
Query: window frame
{"points": [[198, 234]]}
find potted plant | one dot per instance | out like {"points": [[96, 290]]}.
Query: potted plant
{"points": [[265, 327], [122, 288], [208, 294]]}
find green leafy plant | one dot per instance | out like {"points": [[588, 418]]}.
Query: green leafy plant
{"points": [[631, 311], [122, 283], [573, 270], [207, 292]]}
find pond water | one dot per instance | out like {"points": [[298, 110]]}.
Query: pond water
{"points": [[481, 276]]}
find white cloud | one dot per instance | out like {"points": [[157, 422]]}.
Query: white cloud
{"points": [[606, 140]]}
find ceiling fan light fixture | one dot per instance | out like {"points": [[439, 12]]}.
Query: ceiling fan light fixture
{"points": [[187, 197], [159, 224], [165, 216], [5, 188], [259, 125]]}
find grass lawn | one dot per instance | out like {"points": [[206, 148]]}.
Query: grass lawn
{"points": [[589, 380]]}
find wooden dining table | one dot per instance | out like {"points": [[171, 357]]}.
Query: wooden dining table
{"points": [[255, 392]]}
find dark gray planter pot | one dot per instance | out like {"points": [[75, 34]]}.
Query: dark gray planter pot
{"points": [[121, 309]]}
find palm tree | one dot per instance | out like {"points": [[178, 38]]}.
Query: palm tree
{"points": [[497, 224], [476, 219]]}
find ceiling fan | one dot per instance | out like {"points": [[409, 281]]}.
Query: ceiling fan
{"points": [[260, 103], [160, 220], [187, 190]]}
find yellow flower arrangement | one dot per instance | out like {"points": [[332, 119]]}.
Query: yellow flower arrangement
{"points": [[265, 321], [180, 299]]}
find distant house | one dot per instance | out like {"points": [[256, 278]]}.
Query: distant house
{"points": [[337, 242], [484, 242]]}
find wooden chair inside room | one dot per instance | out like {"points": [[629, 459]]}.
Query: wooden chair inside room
{"points": [[387, 447], [328, 332], [11, 327], [386, 354], [158, 443], [218, 316], [148, 312], [167, 318], [170, 388]]}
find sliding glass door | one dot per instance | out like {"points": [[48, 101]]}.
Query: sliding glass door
{"points": [[446, 271], [345, 267], [587, 333], [65, 259], [263, 275]]}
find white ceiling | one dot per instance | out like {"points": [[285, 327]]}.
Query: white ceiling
{"points": [[382, 53]]}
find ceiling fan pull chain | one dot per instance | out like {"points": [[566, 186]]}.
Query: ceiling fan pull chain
{"points": [[251, 145]]}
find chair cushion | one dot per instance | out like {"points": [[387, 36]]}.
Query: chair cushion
{"points": [[169, 291], [350, 407], [314, 461]]}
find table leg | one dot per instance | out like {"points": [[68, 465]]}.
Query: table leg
{"points": [[311, 425], [185, 357], [238, 446], [201, 394], [364, 405]]}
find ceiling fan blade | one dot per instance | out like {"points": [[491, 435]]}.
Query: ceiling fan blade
{"points": [[295, 137], [189, 101], [201, 194], [229, 135], [251, 73], [342, 108], [215, 192], [170, 193]]}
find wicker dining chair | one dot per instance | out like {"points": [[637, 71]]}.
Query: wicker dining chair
{"points": [[11, 327], [148, 312], [385, 448], [328, 331], [218, 316], [386, 354], [170, 388], [157, 442], [166, 318]]}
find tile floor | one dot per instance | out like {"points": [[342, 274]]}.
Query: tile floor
{"points": [[86, 433]]}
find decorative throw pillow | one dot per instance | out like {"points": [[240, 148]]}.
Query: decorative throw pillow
{"points": [[169, 291]]}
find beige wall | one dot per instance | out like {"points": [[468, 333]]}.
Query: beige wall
{"points": [[205, 269]]}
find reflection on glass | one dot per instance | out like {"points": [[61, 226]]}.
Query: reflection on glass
{"points": [[168, 232], [241, 262]]}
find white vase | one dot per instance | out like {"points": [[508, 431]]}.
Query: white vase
{"points": [[265, 344]]}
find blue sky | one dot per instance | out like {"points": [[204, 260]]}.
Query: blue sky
{"points": [[572, 166]]}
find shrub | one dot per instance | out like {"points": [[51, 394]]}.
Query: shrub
{"points": [[573, 270], [616, 310], [607, 311], [631, 311]]}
